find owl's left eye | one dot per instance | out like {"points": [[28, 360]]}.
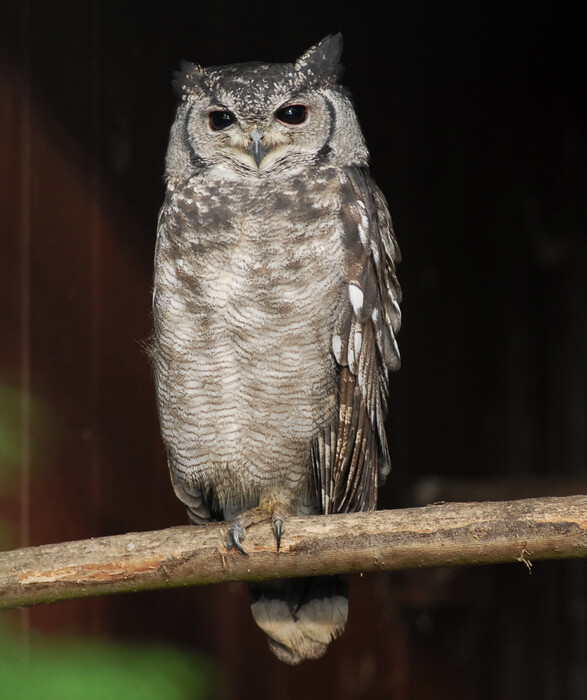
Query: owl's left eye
{"points": [[220, 118], [292, 114]]}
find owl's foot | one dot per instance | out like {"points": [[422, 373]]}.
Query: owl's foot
{"points": [[275, 511]]}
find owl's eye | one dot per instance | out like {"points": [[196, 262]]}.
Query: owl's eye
{"points": [[292, 114], [220, 118]]}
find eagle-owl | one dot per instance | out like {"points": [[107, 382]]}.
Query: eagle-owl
{"points": [[275, 311]]}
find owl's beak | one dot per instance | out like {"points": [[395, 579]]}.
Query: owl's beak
{"points": [[258, 150]]}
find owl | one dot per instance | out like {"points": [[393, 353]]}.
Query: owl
{"points": [[276, 309]]}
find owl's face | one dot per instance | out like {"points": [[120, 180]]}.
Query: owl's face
{"points": [[253, 119], [258, 120]]}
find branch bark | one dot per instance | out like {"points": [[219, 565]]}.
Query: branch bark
{"points": [[446, 534]]}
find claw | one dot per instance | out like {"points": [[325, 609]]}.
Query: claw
{"points": [[232, 539], [239, 546], [277, 532]]}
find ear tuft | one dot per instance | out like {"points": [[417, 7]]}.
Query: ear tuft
{"points": [[188, 80], [322, 61]]}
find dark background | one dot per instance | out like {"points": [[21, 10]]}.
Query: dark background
{"points": [[476, 121]]}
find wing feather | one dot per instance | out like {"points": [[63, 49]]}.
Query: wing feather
{"points": [[351, 456]]}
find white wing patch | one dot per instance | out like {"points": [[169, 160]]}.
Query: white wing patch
{"points": [[337, 347], [356, 298]]}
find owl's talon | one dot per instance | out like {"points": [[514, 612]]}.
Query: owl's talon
{"points": [[233, 538], [280, 513], [277, 525], [239, 546]]}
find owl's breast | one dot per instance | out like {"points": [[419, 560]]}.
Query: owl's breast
{"points": [[247, 290], [269, 250]]}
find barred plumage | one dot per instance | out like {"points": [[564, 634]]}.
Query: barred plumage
{"points": [[276, 307]]}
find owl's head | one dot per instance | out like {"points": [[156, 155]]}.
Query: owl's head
{"points": [[262, 119]]}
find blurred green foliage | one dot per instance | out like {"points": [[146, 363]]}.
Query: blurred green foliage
{"points": [[11, 430], [70, 670], [27, 427]]}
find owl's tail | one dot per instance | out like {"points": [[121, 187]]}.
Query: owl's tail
{"points": [[301, 616]]}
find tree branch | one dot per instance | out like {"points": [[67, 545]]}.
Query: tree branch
{"points": [[446, 534]]}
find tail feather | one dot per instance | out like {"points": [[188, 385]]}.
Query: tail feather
{"points": [[301, 616]]}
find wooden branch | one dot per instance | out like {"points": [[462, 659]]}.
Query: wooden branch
{"points": [[446, 534]]}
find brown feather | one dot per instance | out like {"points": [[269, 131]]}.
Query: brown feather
{"points": [[348, 476]]}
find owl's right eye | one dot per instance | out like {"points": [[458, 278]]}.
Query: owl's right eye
{"points": [[220, 118]]}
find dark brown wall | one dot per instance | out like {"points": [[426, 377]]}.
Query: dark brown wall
{"points": [[477, 126]]}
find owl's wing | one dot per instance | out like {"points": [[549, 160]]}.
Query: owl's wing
{"points": [[350, 456], [191, 496]]}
